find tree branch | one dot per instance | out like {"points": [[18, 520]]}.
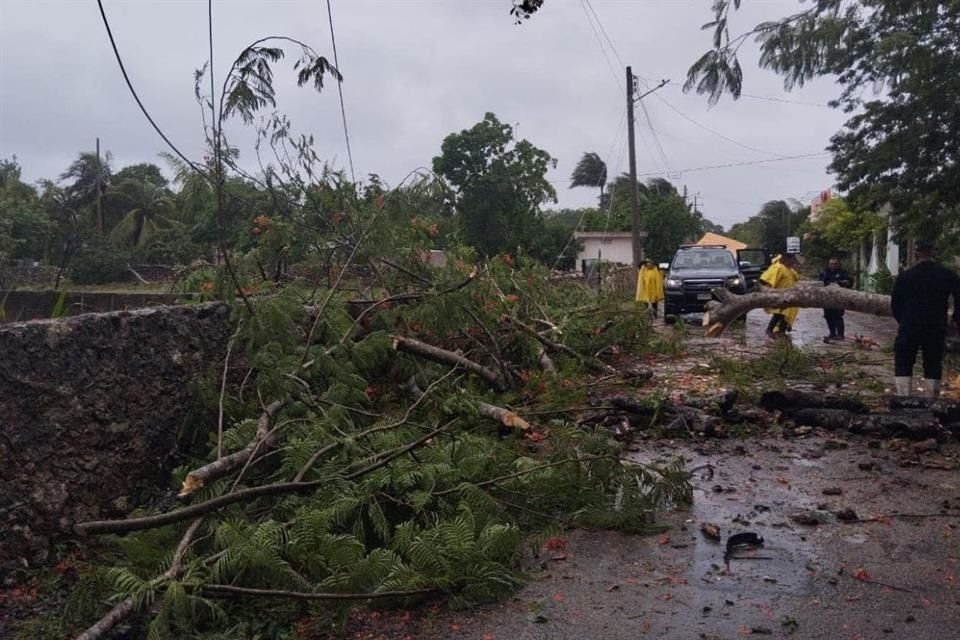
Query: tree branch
{"points": [[125, 607], [97, 527], [221, 467], [590, 363], [230, 590], [731, 306], [442, 356]]}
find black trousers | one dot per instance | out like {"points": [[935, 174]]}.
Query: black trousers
{"points": [[929, 341], [834, 322], [778, 320]]}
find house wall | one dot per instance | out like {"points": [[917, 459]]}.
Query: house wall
{"points": [[612, 249]]}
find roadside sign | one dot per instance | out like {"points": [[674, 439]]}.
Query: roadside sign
{"points": [[793, 244]]}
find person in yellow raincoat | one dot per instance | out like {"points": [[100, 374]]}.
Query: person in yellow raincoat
{"points": [[781, 274], [650, 285]]}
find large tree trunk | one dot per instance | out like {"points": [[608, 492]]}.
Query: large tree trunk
{"points": [[731, 306]]}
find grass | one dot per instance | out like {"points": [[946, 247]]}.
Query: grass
{"points": [[781, 364]]}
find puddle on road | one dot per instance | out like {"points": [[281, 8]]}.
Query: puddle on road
{"points": [[743, 496]]}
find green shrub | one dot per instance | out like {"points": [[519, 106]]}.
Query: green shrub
{"points": [[98, 262]]}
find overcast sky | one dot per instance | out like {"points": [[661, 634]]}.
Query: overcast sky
{"points": [[415, 71]]}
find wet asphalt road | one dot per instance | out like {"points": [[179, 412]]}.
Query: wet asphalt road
{"points": [[890, 577]]}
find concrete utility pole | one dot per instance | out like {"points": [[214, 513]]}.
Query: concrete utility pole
{"points": [[636, 238], [636, 235]]}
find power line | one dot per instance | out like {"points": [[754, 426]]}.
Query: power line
{"points": [[133, 92], [754, 96], [613, 147], [588, 10], [656, 138], [741, 164], [664, 100], [603, 49], [609, 41], [711, 131], [343, 111]]}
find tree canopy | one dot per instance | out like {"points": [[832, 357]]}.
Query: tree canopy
{"points": [[770, 227], [499, 184], [896, 63]]}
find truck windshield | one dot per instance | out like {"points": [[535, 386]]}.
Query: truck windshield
{"points": [[703, 260]]}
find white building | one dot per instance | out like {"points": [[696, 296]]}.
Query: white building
{"points": [[609, 246]]}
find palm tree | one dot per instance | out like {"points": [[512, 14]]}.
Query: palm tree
{"points": [[86, 172], [149, 209], [591, 171]]}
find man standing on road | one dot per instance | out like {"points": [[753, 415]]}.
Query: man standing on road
{"points": [[919, 303], [834, 275], [650, 285], [781, 274]]}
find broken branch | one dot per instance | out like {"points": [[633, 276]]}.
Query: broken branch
{"points": [[221, 467], [730, 307], [96, 527], [442, 356], [227, 589]]}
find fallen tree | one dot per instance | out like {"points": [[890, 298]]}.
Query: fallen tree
{"points": [[730, 307]]}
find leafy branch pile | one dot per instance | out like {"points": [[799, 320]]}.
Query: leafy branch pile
{"points": [[369, 440], [366, 453]]}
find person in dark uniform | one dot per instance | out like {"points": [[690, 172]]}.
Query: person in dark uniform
{"points": [[835, 275], [919, 303]]}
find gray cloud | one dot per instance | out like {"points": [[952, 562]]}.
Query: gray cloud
{"points": [[415, 70]]}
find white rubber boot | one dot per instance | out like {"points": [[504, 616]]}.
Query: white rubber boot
{"points": [[931, 388], [904, 386]]}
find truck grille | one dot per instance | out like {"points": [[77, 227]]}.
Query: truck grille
{"points": [[702, 285]]}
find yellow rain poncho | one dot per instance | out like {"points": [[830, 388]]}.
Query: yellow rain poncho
{"points": [[780, 276], [649, 285]]}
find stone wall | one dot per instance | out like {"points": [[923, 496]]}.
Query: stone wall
{"points": [[23, 305], [89, 411]]}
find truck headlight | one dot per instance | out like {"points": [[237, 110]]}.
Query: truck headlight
{"points": [[734, 281], [673, 283]]}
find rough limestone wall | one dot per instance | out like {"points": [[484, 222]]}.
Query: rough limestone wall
{"points": [[89, 410]]}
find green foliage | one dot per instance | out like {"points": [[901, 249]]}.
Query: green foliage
{"points": [[453, 515], [896, 64], [25, 229], [769, 228], [664, 216], [98, 261], [881, 281], [845, 227], [500, 185]]}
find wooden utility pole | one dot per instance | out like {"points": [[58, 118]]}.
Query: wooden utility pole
{"points": [[636, 237], [99, 191]]}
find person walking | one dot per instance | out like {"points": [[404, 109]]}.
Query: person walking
{"points": [[781, 274], [650, 285], [835, 276], [919, 304]]}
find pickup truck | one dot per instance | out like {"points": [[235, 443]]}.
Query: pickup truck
{"points": [[696, 270]]}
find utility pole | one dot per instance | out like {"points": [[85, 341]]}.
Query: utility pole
{"points": [[636, 238], [99, 190]]}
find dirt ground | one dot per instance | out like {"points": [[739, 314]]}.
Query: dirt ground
{"points": [[881, 559]]}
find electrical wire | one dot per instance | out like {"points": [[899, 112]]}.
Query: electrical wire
{"points": [[343, 111], [603, 49], [617, 144], [664, 100], [604, 31], [753, 96], [133, 92], [740, 164]]}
